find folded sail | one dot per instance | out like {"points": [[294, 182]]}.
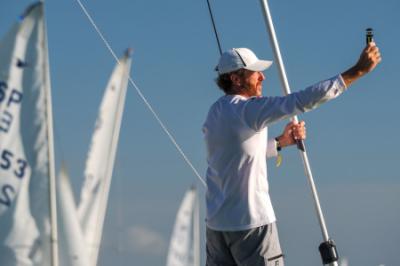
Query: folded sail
{"points": [[100, 161], [71, 241], [26, 145], [183, 247]]}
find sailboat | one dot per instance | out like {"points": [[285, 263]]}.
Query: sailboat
{"points": [[184, 248], [27, 188]]}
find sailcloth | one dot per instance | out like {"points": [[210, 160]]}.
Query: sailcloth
{"points": [[71, 242], [26, 144], [100, 161], [183, 248]]}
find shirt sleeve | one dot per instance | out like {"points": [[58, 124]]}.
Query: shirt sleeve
{"points": [[258, 112], [271, 148]]}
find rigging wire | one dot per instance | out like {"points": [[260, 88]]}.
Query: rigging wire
{"points": [[214, 27], [139, 92]]}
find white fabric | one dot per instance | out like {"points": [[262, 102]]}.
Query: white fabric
{"points": [[180, 244], [271, 148], [100, 161], [236, 134], [70, 237], [24, 142]]}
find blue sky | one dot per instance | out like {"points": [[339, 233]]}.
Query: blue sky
{"points": [[352, 142]]}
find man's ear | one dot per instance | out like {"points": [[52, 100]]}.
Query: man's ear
{"points": [[235, 79]]}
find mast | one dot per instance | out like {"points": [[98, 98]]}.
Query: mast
{"points": [[327, 248], [51, 165]]}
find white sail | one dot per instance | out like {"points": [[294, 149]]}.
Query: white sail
{"points": [[344, 262], [182, 249], [196, 232], [100, 161], [71, 241], [26, 144]]}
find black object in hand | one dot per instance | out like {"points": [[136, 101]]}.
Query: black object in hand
{"points": [[369, 35]]}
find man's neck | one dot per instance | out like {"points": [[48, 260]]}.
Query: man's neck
{"points": [[240, 91]]}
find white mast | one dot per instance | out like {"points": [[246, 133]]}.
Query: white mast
{"points": [[303, 153], [52, 175]]}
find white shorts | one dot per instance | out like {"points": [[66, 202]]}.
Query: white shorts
{"points": [[254, 247]]}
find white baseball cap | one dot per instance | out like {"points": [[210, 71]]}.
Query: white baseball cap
{"points": [[237, 58]]}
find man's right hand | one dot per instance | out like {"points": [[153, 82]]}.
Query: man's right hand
{"points": [[370, 57]]}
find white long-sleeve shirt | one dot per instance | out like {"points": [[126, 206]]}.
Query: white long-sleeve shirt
{"points": [[236, 133]]}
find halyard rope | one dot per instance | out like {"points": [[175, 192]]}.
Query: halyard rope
{"points": [[139, 92]]}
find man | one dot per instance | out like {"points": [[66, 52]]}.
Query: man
{"points": [[241, 227]]}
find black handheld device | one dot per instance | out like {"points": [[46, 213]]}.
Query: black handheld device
{"points": [[369, 35]]}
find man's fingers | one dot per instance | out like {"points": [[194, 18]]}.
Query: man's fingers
{"points": [[373, 53], [299, 130], [295, 130], [370, 46], [300, 125]]}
